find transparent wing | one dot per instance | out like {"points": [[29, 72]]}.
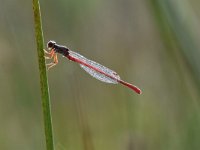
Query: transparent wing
{"points": [[98, 75], [94, 73]]}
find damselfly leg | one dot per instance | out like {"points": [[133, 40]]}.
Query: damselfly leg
{"points": [[51, 55]]}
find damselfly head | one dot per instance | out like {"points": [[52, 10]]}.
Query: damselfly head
{"points": [[50, 44]]}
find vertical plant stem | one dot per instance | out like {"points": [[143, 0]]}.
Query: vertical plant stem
{"points": [[43, 77]]}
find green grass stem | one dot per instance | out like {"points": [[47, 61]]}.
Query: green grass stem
{"points": [[43, 77]]}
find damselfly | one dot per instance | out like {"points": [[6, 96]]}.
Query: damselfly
{"points": [[95, 69]]}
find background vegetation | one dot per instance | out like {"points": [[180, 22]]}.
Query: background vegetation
{"points": [[153, 44]]}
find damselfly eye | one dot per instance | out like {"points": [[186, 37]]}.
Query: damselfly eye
{"points": [[51, 44]]}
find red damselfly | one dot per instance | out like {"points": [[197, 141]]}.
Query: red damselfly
{"points": [[95, 69]]}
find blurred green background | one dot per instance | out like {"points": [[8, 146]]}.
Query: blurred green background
{"points": [[153, 44]]}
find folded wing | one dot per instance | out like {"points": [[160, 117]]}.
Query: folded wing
{"points": [[94, 73]]}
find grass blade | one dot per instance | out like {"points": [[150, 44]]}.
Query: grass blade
{"points": [[43, 77]]}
